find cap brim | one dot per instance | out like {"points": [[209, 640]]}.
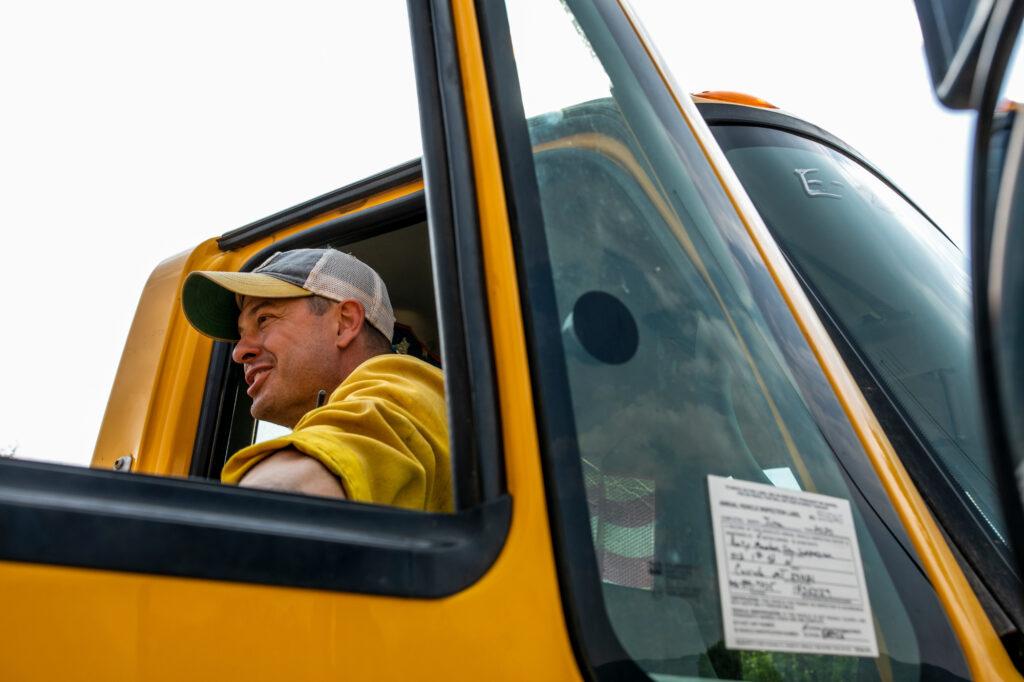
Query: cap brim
{"points": [[210, 303]]}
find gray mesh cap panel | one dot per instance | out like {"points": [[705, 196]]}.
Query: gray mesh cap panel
{"points": [[291, 266], [340, 276], [337, 276]]}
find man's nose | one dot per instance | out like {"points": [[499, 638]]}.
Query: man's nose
{"points": [[245, 349]]}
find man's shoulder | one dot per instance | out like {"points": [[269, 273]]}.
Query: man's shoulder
{"points": [[399, 365], [391, 374]]}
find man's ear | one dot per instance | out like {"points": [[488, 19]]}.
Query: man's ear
{"points": [[350, 316]]}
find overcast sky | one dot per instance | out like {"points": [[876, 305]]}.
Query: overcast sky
{"points": [[132, 131]]}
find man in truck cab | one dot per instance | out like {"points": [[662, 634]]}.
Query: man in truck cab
{"points": [[312, 329]]}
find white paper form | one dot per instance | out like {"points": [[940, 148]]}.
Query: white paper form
{"points": [[790, 575]]}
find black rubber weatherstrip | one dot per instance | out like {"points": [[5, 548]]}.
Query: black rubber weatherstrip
{"points": [[135, 523], [394, 215], [210, 429], [454, 228], [253, 232], [598, 651]]}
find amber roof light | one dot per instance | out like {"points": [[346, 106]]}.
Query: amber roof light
{"points": [[735, 98], [1007, 105]]}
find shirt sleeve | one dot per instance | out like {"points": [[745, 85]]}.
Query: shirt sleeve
{"points": [[377, 433]]}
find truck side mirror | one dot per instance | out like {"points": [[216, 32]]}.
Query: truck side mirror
{"points": [[953, 32], [969, 46]]}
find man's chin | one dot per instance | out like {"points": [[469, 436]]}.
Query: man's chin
{"points": [[265, 414], [261, 411]]}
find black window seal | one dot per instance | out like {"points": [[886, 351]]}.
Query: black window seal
{"points": [[222, 416], [958, 517], [256, 230], [458, 266], [148, 524], [90, 518]]}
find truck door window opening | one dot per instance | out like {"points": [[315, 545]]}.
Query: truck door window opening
{"points": [[169, 526]]}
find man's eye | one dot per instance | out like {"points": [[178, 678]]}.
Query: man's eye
{"points": [[261, 319]]}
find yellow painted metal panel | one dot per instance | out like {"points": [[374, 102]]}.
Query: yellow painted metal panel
{"points": [[521, 448], [77, 624], [981, 645], [121, 430]]}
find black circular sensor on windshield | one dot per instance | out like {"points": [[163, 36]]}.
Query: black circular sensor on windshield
{"points": [[605, 327]]}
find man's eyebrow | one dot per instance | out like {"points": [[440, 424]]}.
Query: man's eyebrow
{"points": [[250, 312]]}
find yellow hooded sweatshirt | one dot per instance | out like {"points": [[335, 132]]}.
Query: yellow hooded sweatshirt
{"points": [[383, 432]]}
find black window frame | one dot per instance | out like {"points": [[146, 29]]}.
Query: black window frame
{"points": [[52, 514], [996, 581]]}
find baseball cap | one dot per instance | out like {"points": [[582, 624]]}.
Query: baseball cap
{"points": [[210, 299]]}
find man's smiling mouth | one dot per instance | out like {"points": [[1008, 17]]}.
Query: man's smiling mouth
{"points": [[255, 378]]}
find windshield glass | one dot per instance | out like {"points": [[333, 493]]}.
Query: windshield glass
{"points": [[688, 389], [894, 284]]}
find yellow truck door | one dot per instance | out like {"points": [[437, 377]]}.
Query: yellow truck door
{"points": [[663, 468], [155, 571]]}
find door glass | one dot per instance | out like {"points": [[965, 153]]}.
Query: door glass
{"points": [[682, 362], [900, 291]]}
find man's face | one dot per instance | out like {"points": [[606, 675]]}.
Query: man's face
{"points": [[289, 353]]}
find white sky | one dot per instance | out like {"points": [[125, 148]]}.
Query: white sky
{"points": [[131, 131]]}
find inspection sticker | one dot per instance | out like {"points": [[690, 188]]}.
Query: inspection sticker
{"points": [[790, 575]]}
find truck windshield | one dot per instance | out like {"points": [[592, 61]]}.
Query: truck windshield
{"points": [[895, 286], [684, 417]]}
